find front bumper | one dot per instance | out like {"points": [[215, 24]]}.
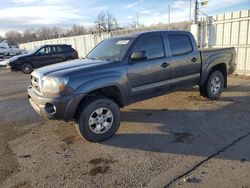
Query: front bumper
{"points": [[13, 66], [65, 106]]}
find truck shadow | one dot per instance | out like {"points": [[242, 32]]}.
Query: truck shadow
{"points": [[186, 132], [234, 88]]}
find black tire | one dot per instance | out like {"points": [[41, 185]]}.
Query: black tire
{"points": [[89, 110], [214, 85], [26, 68]]}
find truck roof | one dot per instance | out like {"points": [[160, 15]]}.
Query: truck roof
{"points": [[135, 35]]}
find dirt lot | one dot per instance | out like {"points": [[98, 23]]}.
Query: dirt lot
{"points": [[177, 140]]}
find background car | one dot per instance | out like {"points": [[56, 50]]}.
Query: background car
{"points": [[10, 51], [42, 56]]}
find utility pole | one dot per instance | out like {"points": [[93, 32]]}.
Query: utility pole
{"points": [[195, 19], [137, 19], [169, 15], [190, 11], [99, 29], [194, 26]]}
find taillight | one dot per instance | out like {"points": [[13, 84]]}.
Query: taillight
{"points": [[76, 55]]}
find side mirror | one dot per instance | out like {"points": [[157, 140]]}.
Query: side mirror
{"points": [[139, 55]]}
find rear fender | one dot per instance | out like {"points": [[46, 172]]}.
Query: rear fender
{"points": [[208, 67]]}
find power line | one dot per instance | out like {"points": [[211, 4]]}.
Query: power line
{"points": [[210, 17]]}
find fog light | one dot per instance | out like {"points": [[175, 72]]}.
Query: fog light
{"points": [[50, 108]]}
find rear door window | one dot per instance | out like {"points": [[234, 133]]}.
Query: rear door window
{"points": [[59, 49], [54, 49], [180, 44]]}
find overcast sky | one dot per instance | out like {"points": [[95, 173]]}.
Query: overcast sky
{"points": [[23, 14]]}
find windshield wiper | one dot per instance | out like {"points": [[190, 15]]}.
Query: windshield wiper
{"points": [[100, 58], [107, 59], [92, 58]]}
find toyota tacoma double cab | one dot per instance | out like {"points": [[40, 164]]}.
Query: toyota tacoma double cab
{"points": [[123, 70]]}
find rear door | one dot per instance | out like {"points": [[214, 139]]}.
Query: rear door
{"points": [[57, 54], [149, 77], [185, 60]]}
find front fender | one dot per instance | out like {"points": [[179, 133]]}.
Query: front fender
{"points": [[105, 81]]}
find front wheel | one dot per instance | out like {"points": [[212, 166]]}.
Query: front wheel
{"points": [[214, 85], [99, 119], [26, 68]]}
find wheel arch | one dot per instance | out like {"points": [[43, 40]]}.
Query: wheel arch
{"points": [[222, 67], [112, 92], [28, 62]]}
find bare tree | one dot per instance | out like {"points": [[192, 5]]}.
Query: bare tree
{"points": [[46, 33], [76, 30], [43, 33], [112, 23], [29, 35], [55, 32], [134, 24], [13, 37], [106, 22], [101, 21], [1, 38]]}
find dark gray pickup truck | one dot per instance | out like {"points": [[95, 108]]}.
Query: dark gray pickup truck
{"points": [[122, 70]]}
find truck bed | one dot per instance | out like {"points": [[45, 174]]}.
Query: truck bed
{"points": [[226, 55]]}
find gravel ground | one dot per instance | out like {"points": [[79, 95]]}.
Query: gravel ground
{"points": [[176, 140]]}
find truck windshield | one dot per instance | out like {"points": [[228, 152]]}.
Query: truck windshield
{"points": [[110, 49]]}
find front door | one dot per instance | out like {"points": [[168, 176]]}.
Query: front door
{"points": [[43, 57], [149, 77]]}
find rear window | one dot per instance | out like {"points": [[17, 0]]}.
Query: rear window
{"points": [[65, 48], [180, 44]]}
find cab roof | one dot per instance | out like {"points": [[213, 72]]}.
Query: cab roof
{"points": [[135, 35]]}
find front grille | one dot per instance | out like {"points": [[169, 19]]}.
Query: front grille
{"points": [[35, 84]]}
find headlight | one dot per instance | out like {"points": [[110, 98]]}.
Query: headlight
{"points": [[13, 59], [53, 86]]}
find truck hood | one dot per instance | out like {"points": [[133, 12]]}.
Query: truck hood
{"points": [[61, 69]]}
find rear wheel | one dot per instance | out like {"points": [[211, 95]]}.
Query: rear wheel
{"points": [[214, 85], [99, 119], [26, 68]]}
